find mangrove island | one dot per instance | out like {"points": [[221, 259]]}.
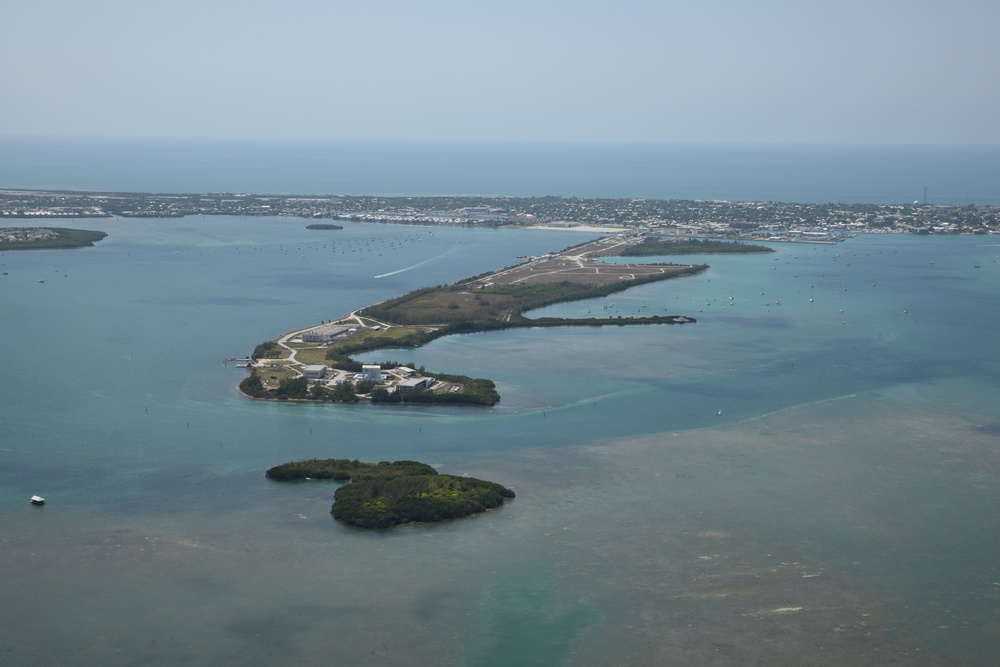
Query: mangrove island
{"points": [[47, 238], [384, 494]]}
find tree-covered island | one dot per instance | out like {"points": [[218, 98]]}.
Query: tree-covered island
{"points": [[653, 246], [318, 364], [47, 238], [383, 495]]}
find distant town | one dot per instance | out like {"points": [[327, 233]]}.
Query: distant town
{"points": [[705, 218]]}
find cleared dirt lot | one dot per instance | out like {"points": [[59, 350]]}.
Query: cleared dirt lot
{"points": [[578, 265]]}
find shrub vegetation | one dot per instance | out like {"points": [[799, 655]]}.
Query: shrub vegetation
{"points": [[63, 237], [266, 350], [420, 316], [384, 494], [653, 246]]}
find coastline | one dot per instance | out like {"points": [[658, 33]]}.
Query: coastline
{"points": [[743, 219], [488, 302], [595, 229]]}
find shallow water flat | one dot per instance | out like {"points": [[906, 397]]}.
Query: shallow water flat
{"points": [[839, 510]]}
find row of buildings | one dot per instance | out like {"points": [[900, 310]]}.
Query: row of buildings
{"points": [[400, 379]]}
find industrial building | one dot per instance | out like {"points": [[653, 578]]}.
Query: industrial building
{"points": [[315, 371], [413, 384], [324, 333], [373, 373]]}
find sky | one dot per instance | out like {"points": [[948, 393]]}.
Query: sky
{"points": [[713, 71]]}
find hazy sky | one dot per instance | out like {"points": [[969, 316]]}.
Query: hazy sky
{"points": [[872, 71]]}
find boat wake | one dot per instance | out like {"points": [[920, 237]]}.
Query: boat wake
{"points": [[419, 264]]}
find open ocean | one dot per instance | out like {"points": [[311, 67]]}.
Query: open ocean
{"points": [[843, 509], [809, 174]]}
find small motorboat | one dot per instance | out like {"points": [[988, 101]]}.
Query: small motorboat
{"points": [[37, 500]]}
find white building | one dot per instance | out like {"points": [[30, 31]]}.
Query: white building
{"points": [[323, 333], [315, 371], [372, 372], [413, 384]]}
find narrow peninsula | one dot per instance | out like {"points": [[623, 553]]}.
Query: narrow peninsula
{"points": [[316, 364], [384, 495]]}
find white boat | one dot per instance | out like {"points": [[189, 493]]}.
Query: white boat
{"points": [[37, 500]]}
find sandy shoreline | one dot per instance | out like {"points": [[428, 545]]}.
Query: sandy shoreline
{"points": [[580, 228]]}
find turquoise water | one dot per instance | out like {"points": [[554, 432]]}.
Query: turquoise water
{"points": [[841, 510]]}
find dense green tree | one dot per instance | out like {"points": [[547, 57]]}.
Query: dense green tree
{"points": [[253, 386], [652, 246], [297, 387], [343, 393], [382, 395], [266, 350], [387, 494]]}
